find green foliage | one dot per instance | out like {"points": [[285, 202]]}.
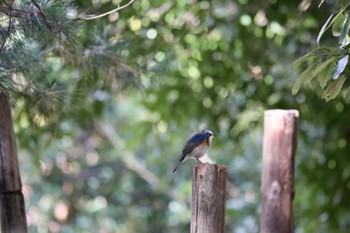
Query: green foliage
{"points": [[328, 63]]}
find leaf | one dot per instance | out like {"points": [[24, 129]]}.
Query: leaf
{"points": [[316, 52], [337, 25], [328, 24], [323, 77], [311, 72], [347, 96], [324, 28], [344, 31], [340, 66], [321, 68], [313, 83], [334, 88], [302, 78]]}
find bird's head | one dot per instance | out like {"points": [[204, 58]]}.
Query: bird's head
{"points": [[208, 134]]}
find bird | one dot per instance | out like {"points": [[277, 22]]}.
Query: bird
{"points": [[196, 147]]}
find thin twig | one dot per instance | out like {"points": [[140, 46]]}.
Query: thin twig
{"points": [[109, 12]]}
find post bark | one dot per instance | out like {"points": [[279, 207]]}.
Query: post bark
{"points": [[279, 146], [12, 210], [208, 198]]}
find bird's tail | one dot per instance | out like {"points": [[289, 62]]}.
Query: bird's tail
{"points": [[182, 159]]}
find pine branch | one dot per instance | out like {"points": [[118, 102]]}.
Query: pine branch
{"points": [[40, 42]]}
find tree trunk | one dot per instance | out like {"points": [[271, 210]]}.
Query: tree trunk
{"points": [[208, 198], [278, 171], [12, 212]]}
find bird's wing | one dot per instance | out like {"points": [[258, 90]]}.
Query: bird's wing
{"points": [[193, 142]]}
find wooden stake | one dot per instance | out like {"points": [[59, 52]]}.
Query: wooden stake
{"points": [[208, 198], [12, 212], [280, 131]]}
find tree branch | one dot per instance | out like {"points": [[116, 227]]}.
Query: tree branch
{"points": [[131, 162]]}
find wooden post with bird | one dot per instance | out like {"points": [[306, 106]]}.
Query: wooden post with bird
{"points": [[279, 146], [208, 185], [208, 198]]}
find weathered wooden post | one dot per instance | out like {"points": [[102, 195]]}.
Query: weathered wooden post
{"points": [[12, 211], [280, 137], [208, 198]]}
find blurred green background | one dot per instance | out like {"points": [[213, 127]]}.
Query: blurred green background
{"points": [[182, 66]]}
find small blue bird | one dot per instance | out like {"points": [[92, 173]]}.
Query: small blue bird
{"points": [[197, 146]]}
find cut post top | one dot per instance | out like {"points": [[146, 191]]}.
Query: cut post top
{"points": [[282, 112]]}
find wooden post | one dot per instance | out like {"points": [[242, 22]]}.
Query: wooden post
{"points": [[208, 198], [12, 210], [278, 171]]}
